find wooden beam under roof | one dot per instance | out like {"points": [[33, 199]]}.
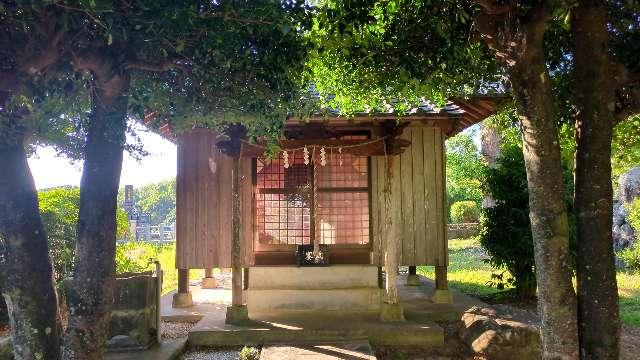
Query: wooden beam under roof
{"points": [[367, 147], [474, 109]]}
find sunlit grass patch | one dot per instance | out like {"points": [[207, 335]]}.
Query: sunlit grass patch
{"points": [[471, 275]]}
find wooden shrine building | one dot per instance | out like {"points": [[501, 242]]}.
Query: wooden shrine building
{"points": [[316, 226]]}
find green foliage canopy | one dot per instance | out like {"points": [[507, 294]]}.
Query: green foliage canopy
{"points": [[464, 169], [464, 212], [192, 63], [368, 54], [59, 210]]}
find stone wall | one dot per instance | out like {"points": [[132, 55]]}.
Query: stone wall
{"points": [[623, 234], [463, 230], [134, 313]]}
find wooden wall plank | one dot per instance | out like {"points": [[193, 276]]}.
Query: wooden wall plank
{"points": [[396, 207], [209, 166], [419, 209], [190, 183], [375, 212], [431, 193], [180, 243], [248, 217], [203, 228], [225, 209], [441, 242], [408, 230]]}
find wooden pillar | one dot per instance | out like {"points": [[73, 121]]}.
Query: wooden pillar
{"points": [[391, 248], [237, 312], [182, 298], [236, 265], [183, 280], [441, 278], [391, 310], [412, 277], [209, 282], [442, 294]]}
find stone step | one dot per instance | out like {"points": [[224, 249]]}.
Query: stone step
{"points": [[356, 298], [360, 350], [324, 277], [314, 327]]}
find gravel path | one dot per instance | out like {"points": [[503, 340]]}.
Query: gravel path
{"points": [[175, 330], [211, 355]]}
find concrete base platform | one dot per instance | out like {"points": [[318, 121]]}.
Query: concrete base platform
{"points": [[338, 287], [182, 300], [313, 327], [365, 298], [359, 350], [391, 313], [413, 280], [209, 283], [320, 327], [168, 350], [442, 297]]}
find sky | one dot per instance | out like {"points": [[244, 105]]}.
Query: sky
{"points": [[50, 170]]}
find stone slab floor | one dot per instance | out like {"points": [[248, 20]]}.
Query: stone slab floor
{"points": [[359, 350]]}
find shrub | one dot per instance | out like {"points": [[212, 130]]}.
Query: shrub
{"points": [[633, 217], [464, 212], [249, 353], [506, 228], [631, 256]]}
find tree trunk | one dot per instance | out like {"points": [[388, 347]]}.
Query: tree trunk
{"points": [[490, 151], [90, 295], [547, 209], [595, 99], [517, 42], [25, 267]]}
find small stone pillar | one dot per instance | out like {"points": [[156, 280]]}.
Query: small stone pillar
{"points": [[182, 298], [208, 281], [442, 294], [412, 278]]}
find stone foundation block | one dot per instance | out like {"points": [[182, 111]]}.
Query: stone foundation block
{"points": [[391, 313], [238, 314], [209, 283], [182, 300], [413, 280], [442, 297]]}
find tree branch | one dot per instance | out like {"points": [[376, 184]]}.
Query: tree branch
{"points": [[491, 8], [156, 67], [35, 63], [8, 81]]}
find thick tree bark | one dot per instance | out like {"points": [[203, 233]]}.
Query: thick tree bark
{"points": [[90, 296], [25, 267], [517, 42], [547, 209], [595, 98], [490, 151]]}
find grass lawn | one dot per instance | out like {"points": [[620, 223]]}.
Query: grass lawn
{"points": [[470, 274], [136, 256]]}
